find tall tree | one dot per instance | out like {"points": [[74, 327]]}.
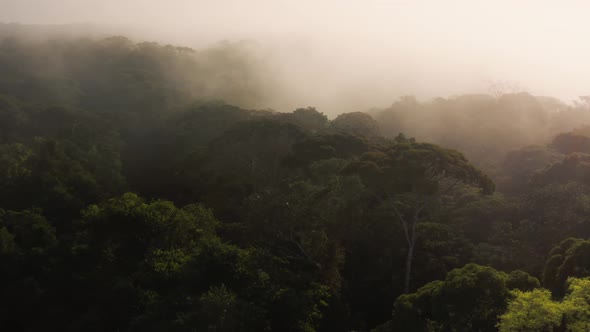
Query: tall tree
{"points": [[410, 179], [469, 299]]}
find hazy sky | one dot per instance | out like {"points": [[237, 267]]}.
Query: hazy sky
{"points": [[366, 52]]}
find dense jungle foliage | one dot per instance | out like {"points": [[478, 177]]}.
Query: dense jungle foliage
{"points": [[133, 199]]}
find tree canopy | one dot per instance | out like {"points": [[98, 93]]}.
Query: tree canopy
{"points": [[145, 187]]}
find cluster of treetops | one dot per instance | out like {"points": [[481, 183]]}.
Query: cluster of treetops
{"points": [[129, 204]]}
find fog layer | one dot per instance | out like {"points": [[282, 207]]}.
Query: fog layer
{"points": [[349, 55]]}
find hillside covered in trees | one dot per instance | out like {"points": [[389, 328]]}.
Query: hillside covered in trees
{"points": [[133, 199]]}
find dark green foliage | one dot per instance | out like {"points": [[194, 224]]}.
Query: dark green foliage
{"points": [[469, 299], [521, 165], [307, 118], [522, 281], [357, 123], [417, 168], [570, 259], [555, 212], [133, 199], [314, 148], [574, 167], [28, 258]]}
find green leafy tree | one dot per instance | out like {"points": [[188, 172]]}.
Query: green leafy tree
{"points": [[124, 243], [536, 310], [531, 311], [410, 178], [29, 259], [308, 119], [357, 123], [571, 258], [469, 299]]}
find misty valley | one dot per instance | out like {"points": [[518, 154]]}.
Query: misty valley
{"points": [[150, 187]]}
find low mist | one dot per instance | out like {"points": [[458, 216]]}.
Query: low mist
{"points": [[343, 56]]}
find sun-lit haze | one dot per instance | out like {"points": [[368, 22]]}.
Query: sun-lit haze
{"points": [[352, 55]]}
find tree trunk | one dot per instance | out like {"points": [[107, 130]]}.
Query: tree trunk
{"points": [[409, 259], [410, 235]]}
